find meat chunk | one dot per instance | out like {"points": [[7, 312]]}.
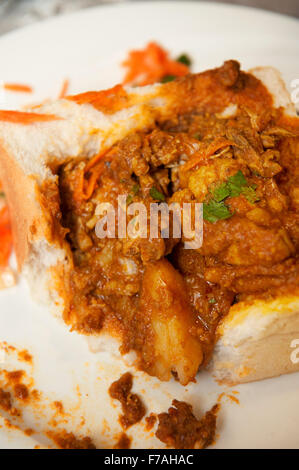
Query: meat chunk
{"points": [[239, 241], [163, 148], [229, 73]]}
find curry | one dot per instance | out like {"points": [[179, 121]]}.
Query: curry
{"points": [[167, 301]]}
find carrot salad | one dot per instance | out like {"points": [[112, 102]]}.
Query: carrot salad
{"points": [[153, 64]]}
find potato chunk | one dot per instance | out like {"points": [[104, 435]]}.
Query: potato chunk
{"points": [[164, 300]]}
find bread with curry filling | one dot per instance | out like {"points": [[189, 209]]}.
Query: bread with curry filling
{"points": [[225, 138]]}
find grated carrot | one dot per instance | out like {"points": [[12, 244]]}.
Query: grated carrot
{"points": [[203, 154], [95, 167], [64, 88], [92, 181], [79, 185], [151, 64], [86, 186], [18, 87], [95, 159], [19, 117]]}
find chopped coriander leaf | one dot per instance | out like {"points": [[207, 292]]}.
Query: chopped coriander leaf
{"points": [[214, 211], [236, 183], [212, 301], [155, 194], [167, 78], [239, 185], [184, 59], [197, 136], [2, 194], [135, 189], [238, 179], [234, 191], [221, 192], [129, 199], [250, 194]]}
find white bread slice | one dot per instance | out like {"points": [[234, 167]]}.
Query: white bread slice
{"points": [[27, 153], [272, 79], [255, 341]]}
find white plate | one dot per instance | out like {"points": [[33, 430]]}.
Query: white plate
{"points": [[87, 47]]}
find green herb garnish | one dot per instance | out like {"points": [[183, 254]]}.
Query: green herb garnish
{"points": [[238, 179], [167, 78], [135, 189], [155, 194], [133, 193], [2, 194], [184, 59], [239, 185], [213, 211], [212, 301], [129, 199], [250, 194], [221, 192], [236, 183]]}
